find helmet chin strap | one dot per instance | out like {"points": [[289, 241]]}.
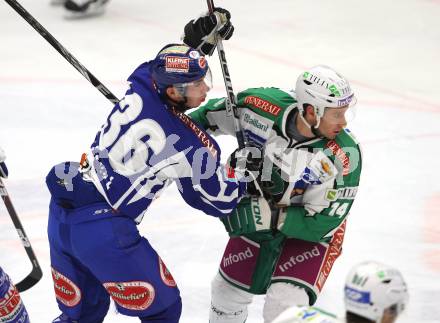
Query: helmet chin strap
{"points": [[178, 105], [314, 128], [316, 132]]}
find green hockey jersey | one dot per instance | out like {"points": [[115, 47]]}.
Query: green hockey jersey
{"points": [[311, 213]]}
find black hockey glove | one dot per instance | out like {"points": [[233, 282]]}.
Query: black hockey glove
{"points": [[246, 163], [202, 32], [3, 168], [275, 186]]}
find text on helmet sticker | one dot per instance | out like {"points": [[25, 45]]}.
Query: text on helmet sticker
{"points": [[345, 101], [357, 296], [194, 54], [202, 62], [177, 64]]}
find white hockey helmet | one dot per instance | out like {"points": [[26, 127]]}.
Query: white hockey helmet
{"points": [[322, 87], [305, 314], [372, 287]]}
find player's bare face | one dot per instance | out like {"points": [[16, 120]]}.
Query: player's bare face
{"points": [[196, 93], [332, 122]]}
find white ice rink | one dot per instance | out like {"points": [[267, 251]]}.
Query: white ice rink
{"points": [[390, 50]]}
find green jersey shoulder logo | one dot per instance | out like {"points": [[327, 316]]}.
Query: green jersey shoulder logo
{"points": [[331, 195]]}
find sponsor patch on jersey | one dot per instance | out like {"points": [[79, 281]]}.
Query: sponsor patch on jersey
{"points": [[204, 138], [241, 256], [134, 295], [340, 154], [345, 193], [310, 177], [165, 274], [263, 105], [11, 305], [256, 127], [320, 170], [331, 195], [229, 173], [177, 64], [332, 253], [326, 167], [65, 290], [255, 122], [298, 257]]}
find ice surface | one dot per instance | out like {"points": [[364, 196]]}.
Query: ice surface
{"points": [[389, 50]]}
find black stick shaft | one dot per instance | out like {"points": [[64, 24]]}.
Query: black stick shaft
{"points": [[36, 273], [231, 103]]}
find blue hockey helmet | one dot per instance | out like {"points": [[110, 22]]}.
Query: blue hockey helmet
{"points": [[179, 65]]}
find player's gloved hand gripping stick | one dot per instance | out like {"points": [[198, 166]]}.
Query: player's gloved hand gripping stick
{"points": [[231, 102]]}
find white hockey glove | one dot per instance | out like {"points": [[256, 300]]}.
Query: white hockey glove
{"points": [[3, 168], [202, 32], [251, 215]]}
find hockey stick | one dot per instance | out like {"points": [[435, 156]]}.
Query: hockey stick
{"points": [[231, 103], [36, 273], [63, 51]]}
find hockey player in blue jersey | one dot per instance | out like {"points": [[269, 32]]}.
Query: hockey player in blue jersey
{"points": [[146, 144]]}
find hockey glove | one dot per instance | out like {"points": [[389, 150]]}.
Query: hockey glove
{"points": [[275, 187], [202, 32], [3, 168], [251, 215], [245, 165]]}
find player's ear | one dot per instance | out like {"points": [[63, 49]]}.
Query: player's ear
{"points": [[173, 93], [310, 110]]}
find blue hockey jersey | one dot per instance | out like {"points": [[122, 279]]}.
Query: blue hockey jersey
{"points": [[145, 145]]}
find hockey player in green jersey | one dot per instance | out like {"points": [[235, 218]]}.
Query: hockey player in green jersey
{"points": [[310, 177]]}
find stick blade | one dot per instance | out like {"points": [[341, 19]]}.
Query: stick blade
{"points": [[30, 280]]}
